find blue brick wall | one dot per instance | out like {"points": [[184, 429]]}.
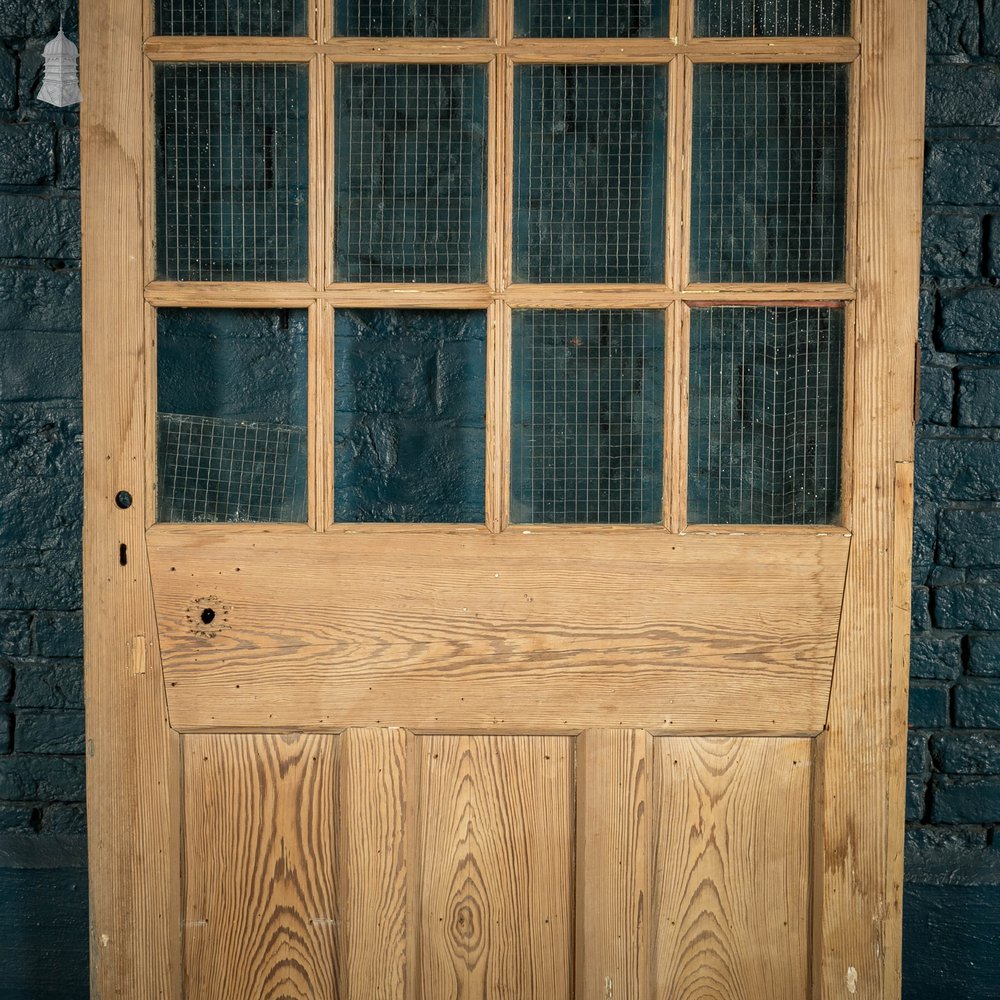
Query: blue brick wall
{"points": [[952, 911], [952, 915]]}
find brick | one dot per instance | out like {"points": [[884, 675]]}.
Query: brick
{"points": [[40, 367], [64, 819], [38, 732], [17, 817], [59, 635], [917, 756], [937, 389], [935, 658], [6, 681], [6, 730], [49, 732], [40, 507], [8, 79], [966, 753], [926, 309], [979, 397], [984, 655], [915, 798], [977, 704], [952, 246], [963, 94], [15, 633], [69, 158], [40, 299], [970, 320], [46, 685], [962, 172], [36, 18], [952, 27], [945, 838], [969, 537], [958, 469], [27, 154], [920, 613], [928, 706], [35, 226], [924, 539], [968, 607], [27, 778], [966, 800], [991, 27]]}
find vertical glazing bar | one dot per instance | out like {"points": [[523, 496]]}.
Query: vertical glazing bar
{"points": [[497, 416], [329, 186], [318, 181], [676, 438]]}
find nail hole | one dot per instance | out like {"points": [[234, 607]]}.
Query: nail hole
{"points": [[208, 615]]}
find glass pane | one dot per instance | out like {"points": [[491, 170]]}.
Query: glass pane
{"points": [[411, 173], [587, 417], [590, 18], [232, 177], [589, 164], [412, 18], [276, 18], [769, 173], [231, 400], [781, 18], [410, 423], [765, 415]]}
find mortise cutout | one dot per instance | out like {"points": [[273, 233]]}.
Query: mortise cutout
{"points": [[123, 554]]}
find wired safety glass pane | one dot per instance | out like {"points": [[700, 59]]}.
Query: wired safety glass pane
{"points": [[589, 169], [769, 173], [590, 18], [410, 421], [766, 389], [410, 169], [776, 18], [231, 415], [412, 18], [587, 416], [272, 18], [232, 178]]}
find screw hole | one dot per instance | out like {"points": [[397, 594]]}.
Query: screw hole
{"points": [[208, 615]]}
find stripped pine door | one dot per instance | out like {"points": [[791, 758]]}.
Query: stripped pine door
{"points": [[498, 490]]}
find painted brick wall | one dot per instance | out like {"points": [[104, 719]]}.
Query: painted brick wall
{"points": [[952, 917]]}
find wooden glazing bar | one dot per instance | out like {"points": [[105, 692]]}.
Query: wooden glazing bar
{"points": [[771, 50], [318, 174], [149, 377], [315, 435], [379, 296], [230, 294], [588, 296], [676, 411], [498, 418], [170, 48], [580, 51], [329, 138], [412, 50], [497, 179], [720, 294]]}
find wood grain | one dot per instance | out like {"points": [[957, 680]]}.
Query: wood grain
{"points": [[857, 939], [613, 864], [515, 632], [375, 810], [496, 863], [732, 868], [132, 756], [259, 909]]}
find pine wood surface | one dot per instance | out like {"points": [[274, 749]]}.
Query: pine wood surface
{"points": [[515, 632]]}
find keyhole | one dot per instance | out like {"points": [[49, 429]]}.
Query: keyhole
{"points": [[208, 616]]}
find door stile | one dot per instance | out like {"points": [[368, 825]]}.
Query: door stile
{"points": [[134, 881], [858, 932]]}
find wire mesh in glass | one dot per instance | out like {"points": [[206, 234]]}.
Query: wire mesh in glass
{"points": [[273, 18], [231, 420], [590, 18], [410, 170], [766, 391], [769, 173], [412, 18], [410, 421], [232, 178], [775, 18], [589, 169], [587, 416]]}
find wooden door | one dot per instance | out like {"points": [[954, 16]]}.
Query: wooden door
{"points": [[612, 704]]}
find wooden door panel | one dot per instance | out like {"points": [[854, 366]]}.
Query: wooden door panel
{"points": [[381, 865], [517, 632], [731, 888], [258, 865]]}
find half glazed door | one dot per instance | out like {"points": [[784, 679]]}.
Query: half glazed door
{"points": [[498, 489]]}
